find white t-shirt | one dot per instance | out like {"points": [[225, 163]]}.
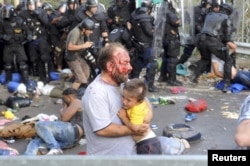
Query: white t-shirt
{"points": [[101, 102], [219, 62]]}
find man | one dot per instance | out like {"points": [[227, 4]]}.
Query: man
{"points": [[38, 48], [90, 11], [200, 12], [105, 133], [77, 49], [215, 35], [143, 30], [58, 135], [118, 14], [171, 45], [242, 134], [14, 34]]}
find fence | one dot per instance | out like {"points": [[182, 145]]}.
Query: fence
{"points": [[66, 160]]}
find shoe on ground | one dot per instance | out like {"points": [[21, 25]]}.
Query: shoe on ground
{"points": [[153, 89], [162, 79], [55, 152], [190, 117], [226, 89], [174, 83]]}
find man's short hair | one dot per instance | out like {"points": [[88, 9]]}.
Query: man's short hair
{"points": [[106, 54]]}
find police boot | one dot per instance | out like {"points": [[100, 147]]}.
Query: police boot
{"points": [[24, 73], [163, 76], [183, 59], [34, 69], [172, 81], [150, 76], [8, 72], [57, 54], [151, 87], [47, 76]]}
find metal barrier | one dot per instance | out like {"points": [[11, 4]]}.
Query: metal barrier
{"points": [[243, 48], [66, 160]]}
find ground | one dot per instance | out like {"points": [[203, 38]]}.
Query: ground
{"points": [[217, 124]]}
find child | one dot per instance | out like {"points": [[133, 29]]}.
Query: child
{"points": [[136, 106]]}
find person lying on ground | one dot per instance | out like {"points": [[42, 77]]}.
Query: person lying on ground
{"points": [[62, 134]]}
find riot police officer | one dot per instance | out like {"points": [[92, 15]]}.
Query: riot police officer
{"points": [[200, 12], [101, 29], [38, 48], [215, 33], [171, 46], [14, 34], [69, 16], [118, 14], [142, 30]]}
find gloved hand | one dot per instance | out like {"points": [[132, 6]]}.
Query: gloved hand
{"points": [[6, 37], [29, 37], [37, 11]]}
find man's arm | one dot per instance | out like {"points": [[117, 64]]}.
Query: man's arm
{"points": [[69, 111]]}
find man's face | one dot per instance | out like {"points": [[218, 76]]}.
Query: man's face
{"points": [[88, 32], [93, 10], [121, 66], [128, 101], [31, 6]]}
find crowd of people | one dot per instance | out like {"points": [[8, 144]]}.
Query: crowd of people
{"points": [[104, 49]]}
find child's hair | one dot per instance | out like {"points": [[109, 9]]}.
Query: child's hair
{"points": [[137, 88]]}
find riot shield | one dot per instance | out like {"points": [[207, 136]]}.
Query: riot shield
{"points": [[159, 25], [237, 20], [185, 8]]}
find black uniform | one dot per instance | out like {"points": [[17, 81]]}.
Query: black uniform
{"points": [[200, 13], [171, 46], [38, 47], [215, 32], [14, 34], [142, 30], [100, 25], [118, 14]]}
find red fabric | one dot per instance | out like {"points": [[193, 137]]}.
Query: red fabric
{"points": [[196, 106], [176, 90]]}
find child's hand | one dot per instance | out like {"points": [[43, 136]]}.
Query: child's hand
{"points": [[122, 114]]}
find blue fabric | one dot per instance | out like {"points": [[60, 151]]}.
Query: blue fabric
{"points": [[234, 88], [12, 86], [52, 134], [54, 76], [181, 69]]}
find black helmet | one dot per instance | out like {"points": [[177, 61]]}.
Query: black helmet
{"points": [[8, 11], [47, 6], [31, 2], [72, 2], [147, 3], [205, 2], [91, 3], [62, 4], [87, 24], [228, 8], [216, 3]]}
